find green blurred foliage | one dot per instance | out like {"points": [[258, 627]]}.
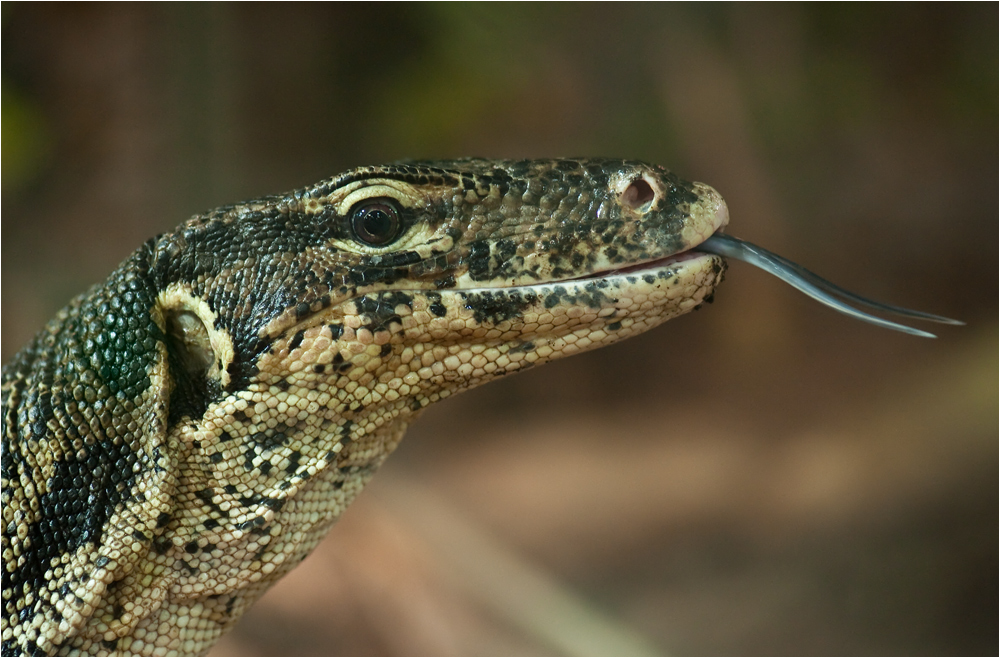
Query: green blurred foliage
{"points": [[27, 143]]}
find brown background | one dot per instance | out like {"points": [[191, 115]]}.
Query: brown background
{"points": [[763, 476]]}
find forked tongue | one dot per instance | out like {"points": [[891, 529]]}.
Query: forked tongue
{"points": [[814, 285]]}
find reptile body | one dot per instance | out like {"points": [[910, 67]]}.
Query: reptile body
{"points": [[186, 432]]}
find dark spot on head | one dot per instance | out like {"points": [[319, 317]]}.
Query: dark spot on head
{"points": [[497, 306]]}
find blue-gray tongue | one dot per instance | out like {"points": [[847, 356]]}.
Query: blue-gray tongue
{"points": [[814, 285]]}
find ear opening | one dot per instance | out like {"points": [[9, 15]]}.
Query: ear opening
{"points": [[189, 338], [638, 194], [194, 366]]}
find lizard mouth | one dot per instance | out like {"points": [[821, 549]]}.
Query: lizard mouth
{"points": [[656, 264], [645, 268]]}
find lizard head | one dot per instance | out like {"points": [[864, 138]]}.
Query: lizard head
{"points": [[453, 273], [407, 283]]}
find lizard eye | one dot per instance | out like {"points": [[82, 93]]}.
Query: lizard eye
{"points": [[375, 222]]}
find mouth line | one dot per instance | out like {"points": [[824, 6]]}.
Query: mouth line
{"points": [[602, 275], [690, 253], [655, 264]]}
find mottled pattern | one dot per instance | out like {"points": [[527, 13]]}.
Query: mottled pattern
{"points": [[183, 434]]}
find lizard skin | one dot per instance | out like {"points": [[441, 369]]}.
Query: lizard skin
{"points": [[186, 432]]}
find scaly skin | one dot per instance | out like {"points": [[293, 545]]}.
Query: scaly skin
{"points": [[182, 435]]}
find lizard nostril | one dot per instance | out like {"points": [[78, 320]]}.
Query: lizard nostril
{"points": [[637, 194]]}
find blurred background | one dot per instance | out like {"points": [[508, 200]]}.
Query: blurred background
{"points": [[763, 476]]}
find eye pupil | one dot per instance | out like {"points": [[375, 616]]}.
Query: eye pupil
{"points": [[375, 223]]}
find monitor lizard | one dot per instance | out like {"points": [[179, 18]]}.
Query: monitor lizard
{"points": [[183, 434]]}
